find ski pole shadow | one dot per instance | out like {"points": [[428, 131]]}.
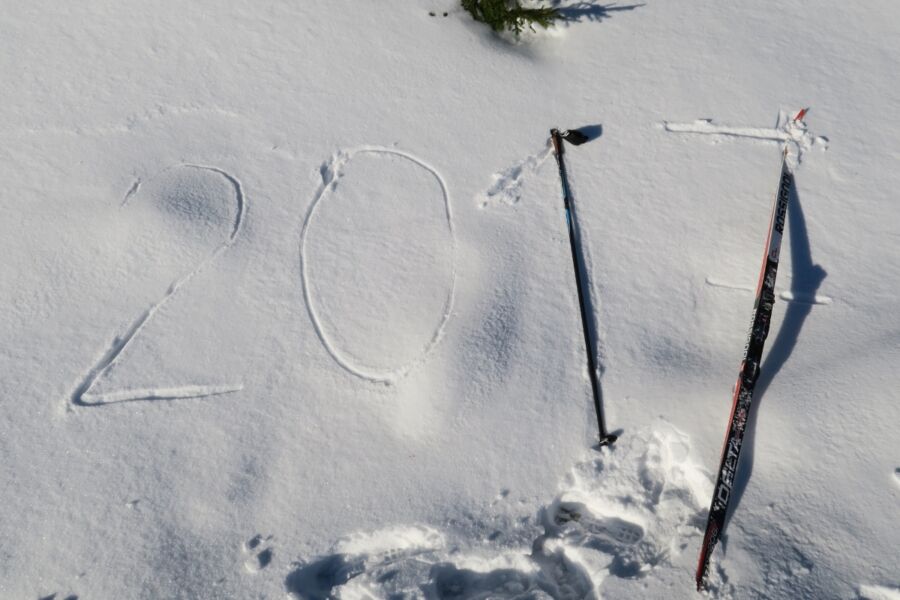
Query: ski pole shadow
{"points": [[806, 279], [591, 132]]}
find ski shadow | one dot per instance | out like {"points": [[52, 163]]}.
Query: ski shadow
{"points": [[807, 276], [588, 11]]}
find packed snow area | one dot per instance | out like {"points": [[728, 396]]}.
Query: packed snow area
{"points": [[287, 308]]}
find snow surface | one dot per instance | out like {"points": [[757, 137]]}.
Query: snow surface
{"points": [[288, 311]]}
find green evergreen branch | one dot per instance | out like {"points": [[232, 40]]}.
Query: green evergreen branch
{"points": [[510, 15]]}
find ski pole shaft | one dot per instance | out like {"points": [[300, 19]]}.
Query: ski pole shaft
{"points": [[605, 437]]}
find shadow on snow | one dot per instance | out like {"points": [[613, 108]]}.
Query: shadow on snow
{"points": [[806, 279]]}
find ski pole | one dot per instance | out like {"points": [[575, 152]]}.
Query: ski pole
{"points": [[575, 137]]}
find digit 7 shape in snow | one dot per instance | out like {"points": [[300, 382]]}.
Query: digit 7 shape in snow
{"points": [[749, 372]]}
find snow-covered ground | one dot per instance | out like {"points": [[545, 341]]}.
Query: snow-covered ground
{"points": [[287, 308]]}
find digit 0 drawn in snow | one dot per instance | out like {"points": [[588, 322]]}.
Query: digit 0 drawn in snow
{"points": [[378, 268], [507, 187], [185, 193], [623, 513]]}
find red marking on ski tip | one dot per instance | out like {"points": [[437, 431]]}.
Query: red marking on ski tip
{"points": [[801, 114]]}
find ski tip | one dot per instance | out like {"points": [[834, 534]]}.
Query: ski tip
{"points": [[801, 114], [701, 578]]}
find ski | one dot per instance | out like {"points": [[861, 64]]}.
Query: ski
{"points": [[576, 138], [749, 371]]}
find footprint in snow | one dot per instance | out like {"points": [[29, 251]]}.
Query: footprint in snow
{"points": [[391, 558], [576, 517], [507, 185], [449, 582], [261, 553], [623, 513]]}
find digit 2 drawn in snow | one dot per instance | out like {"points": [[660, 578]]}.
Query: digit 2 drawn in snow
{"points": [[378, 269], [188, 196]]}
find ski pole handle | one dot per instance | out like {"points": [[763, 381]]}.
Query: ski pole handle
{"points": [[556, 140]]}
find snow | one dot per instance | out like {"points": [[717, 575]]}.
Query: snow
{"points": [[288, 309]]}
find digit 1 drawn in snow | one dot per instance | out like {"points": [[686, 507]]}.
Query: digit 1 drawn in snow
{"points": [[185, 193], [787, 131], [378, 269], [786, 295]]}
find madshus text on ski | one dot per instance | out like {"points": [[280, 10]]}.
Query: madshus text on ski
{"points": [[750, 368]]}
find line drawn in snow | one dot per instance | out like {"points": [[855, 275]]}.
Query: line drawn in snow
{"points": [[624, 512], [786, 131], [786, 295], [878, 592], [82, 395], [330, 173], [507, 186], [707, 127]]}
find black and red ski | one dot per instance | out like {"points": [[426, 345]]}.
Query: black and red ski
{"points": [[749, 372]]}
